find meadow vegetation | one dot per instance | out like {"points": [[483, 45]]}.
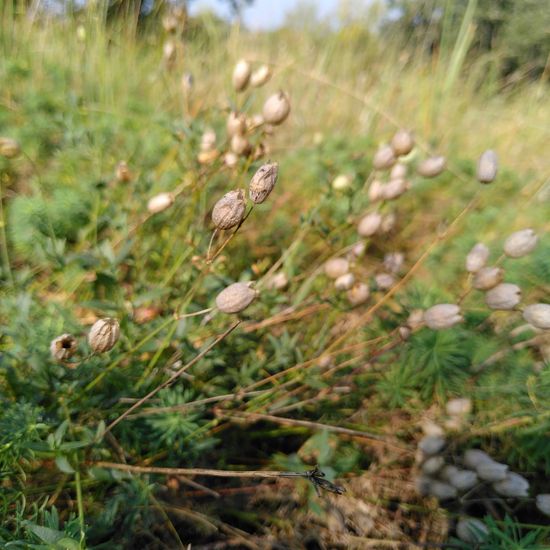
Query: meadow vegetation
{"points": [[168, 424]]}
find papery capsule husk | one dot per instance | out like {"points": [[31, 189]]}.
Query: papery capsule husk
{"points": [[431, 444], [63, 347], [398, 171], [336, 267], [263, 182], [241, 75], [402, 142], [160, 202], [9, 148], [369, 224], [229, 210], [513, 486], [471, 530], [260, 76], [240, 145], [235, 298], [520, 243], [504, 296], [487, 278], [345, 281], [432, 167], [477, 258], [543, 503], [358, 294], [384, 158], [276, 108], [104, 334], [442, 316], [487, 167], [538, 315], [236, 124]]}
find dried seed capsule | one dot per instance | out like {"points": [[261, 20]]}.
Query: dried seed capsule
{"points": [[358, 294], [103, 335], [431, 167], [231, 159], [279, 281], [538, 315], [376, 191], [460, 479], [393, 261], [487, 167], [431, 444], [235, 297], [460, 406], [263, 182], [169, 52], [229, 210], [477, 258], [240, 145], [475, 457], [543, 503], [388, 222], [433, 465], [471, 530], [384, 158], [513, 485], [442, 316], [492, 471], [241, 75], [394, 189], [487, 278], [260, 76], [359, 249], [404, 332], [429, 427], [504, 296], [341, 182], [442, 491], [398, 172], [384, 280], [63, 347], [236, 124], [276, 108], [208, 140], [122, 172], [207, 157], [160, 202], [369, 224], [345, 281], [9, 148], [415, 319], [336, 267], [402, 142], [253, 122], [520, 243]]}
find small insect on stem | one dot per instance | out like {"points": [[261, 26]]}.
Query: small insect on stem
{"points": [[317, 479]]}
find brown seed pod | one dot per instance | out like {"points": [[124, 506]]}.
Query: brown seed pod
{"points": [[104, 334], [263, 182], [384, 158], [276, 108], [229, 210], [236, 124], [432, 167], [487, 167], [241, 75], [63, 347], [235, 297], [402, 142], [122, 172], [487, 278]]}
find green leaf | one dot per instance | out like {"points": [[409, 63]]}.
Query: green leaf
{"points": [[45, 534], [64, 465]]}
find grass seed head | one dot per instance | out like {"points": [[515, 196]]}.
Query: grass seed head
{"points": [[260, 76], [503, 296], [487, 278], [160, 202], [402, 142], [276, 108], [538, 315], [520, 243], [241, 75], [104, 334], [263, 182], [477, 258], [432, 167], [235, 298], [63, 347], [487, 167], [229, 210], [442, 316]]}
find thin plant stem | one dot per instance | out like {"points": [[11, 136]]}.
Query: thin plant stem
{"points": [[80, 506]]}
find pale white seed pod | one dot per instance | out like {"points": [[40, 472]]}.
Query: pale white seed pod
{"points": [[429, 427], [442, 490], [538, 315], [394, 189], [393, 261], [384, 280], [398, 172], [471, 530], [9, 148], [404, 332], [240, 145], [241, 75], [477, 258], [260, 76], [358, 294], [276, 108], [208, 140], [369, 224], [448, 471], [263, 182], [415, 319], [504, 296], [487, 278], [487, 167], [345, 281], [475, 457], [432, 465], [376, 191], [207, 157], [342, 182], [384, 158], [229, 210], [122, 172], [279, 281], [236, 124], [513, 486], [402, 142], [431, 444], [359, 249], [103, 335], [253, 122], [63, 347], [388, 222], [442, 316], [160, 202], [169, 52], [336, 267], [492, 471], [460, 406], [235, 298], [231, 159], [432, 167], [462, 480], [520, 243], [543, 503]]}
